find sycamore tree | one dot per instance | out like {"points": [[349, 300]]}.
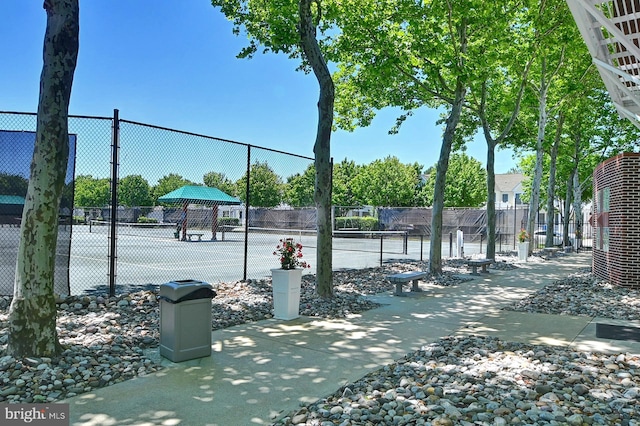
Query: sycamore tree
{"points": [[409, 55], [32, 315], [455, 55], [594, 131], [497, 89], [290, 27], [555, 83]]}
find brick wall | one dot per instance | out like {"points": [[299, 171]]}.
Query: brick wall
{"points": [[616, 219]]}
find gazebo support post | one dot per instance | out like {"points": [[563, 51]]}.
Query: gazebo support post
{"points": [[214, 222], [185, 206]]}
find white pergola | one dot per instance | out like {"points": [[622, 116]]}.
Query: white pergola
{"points": [[611, 30]]}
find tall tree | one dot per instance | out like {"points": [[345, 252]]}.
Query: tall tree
{"points": [[169, 183], [410, 55], [343, 175], [496, 92], [595, 131], [290, 27], [220, 181], [32, 315], [13, 184], [386, 183], [562, 61], [553, 157], [265, 186], [309, 21], [299, 188], [91, 192], [467, 183], [134, 191]]}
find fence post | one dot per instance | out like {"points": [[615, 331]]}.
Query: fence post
{"points": [[246, 214], [114, 202], [450, 244], [515, 227], [381, 237], [421, 243], [405, 246]]}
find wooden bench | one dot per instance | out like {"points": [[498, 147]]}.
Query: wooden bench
{"points": [[194, 234], [483, 263], [403, 278], [551, 251]]}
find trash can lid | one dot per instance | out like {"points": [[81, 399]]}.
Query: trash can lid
{"points": [[178, 290]]}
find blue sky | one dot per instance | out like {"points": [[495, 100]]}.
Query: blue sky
{"points": [[173, 64]]}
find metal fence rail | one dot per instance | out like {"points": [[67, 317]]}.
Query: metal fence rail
{"points": [[114, 243]]}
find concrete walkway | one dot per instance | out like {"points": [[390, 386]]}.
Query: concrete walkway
{"points": [[262, 370]]}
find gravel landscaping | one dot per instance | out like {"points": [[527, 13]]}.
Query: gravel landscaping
{"points": [[472, 380]]}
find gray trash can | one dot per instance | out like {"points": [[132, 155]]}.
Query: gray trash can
{"points": [[185, 319]]}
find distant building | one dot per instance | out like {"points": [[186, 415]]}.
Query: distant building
{"points": [[509, 190]]}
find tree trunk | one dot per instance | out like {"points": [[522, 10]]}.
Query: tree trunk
{"points": [[491, 149], [551, 190], [577, 195], [435, 244], [567, 211], [537, 176], [321, 148], [32, 316], [491, 198]]}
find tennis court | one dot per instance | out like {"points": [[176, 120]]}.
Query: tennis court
{"points": [[152, 254]]}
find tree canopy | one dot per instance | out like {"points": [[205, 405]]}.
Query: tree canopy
{"points": [[91, 192], [386, 183], [220, 181], [134, 191], [467, 183], [13, 184], [265, 189]]}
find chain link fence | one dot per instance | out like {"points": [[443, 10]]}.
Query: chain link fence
{"points": [[121, 229]]}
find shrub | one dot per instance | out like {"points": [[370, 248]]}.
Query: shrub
{"points": [[228, 221], [144, 219]]}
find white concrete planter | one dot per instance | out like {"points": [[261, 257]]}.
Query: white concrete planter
{"points": [[523, 251], [286, 293]]}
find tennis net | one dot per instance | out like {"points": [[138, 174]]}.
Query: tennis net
{"points": [[147, 230], [343, 240]]}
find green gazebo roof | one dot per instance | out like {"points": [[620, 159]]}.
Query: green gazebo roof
{"points": [[11, 199], [199, 194]]}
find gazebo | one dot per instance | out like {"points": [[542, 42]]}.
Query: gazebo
{"points": [[191, 194]]}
